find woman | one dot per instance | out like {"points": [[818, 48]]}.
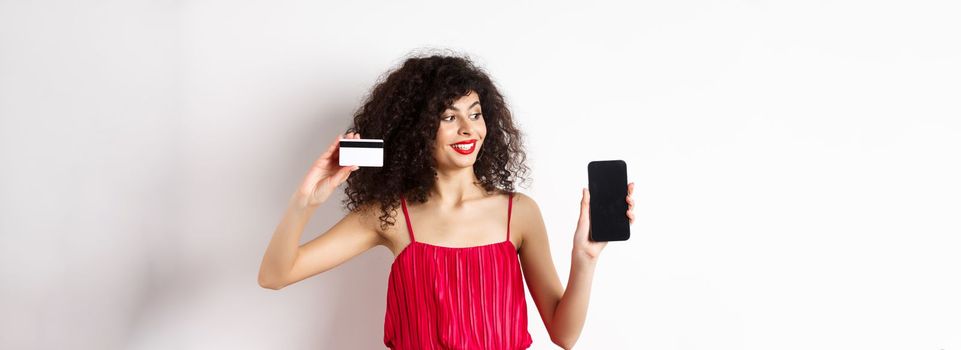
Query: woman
{"points": [[452, 156]]}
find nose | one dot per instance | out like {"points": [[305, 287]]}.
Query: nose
{"points": [[465, 127]]}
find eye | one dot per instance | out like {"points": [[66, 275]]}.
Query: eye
{"points": [[474, 116]]}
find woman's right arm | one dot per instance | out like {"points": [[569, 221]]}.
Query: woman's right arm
{"points": [[286, 262]]}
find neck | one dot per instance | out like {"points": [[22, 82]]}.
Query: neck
{"points": [[454, 187]]}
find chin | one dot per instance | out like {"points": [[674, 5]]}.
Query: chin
{"points": [[462, 164], [457, 161]]}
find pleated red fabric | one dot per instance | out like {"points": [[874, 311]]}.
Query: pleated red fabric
{"points": [[456, 297]]}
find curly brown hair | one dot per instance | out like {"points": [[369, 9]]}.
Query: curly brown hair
{"points": [[404, 110]]}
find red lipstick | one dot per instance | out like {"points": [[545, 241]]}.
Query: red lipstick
{"points": [[465, 147]]}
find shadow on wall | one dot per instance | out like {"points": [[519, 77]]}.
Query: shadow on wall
{"points": [[354, 293], [199, 288], [354, 308]]}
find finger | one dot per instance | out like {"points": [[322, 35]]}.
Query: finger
{"points": [[333, 147], [331, 155], [584, 219], [630, 201], [630, 216], [341, 175], [585, 203], [630, 188]]}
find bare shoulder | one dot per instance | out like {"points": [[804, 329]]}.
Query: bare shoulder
{"points": [[369, 215], [526, 220], [524, 203]]}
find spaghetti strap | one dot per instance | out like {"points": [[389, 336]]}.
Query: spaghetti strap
{"points": [[438, 296], [410, 230], [510, 203]]}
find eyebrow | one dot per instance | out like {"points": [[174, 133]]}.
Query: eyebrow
{"points": [[471, 106]]}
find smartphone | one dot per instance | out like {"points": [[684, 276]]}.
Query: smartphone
{"points": [[361, 152], [607, 182]]}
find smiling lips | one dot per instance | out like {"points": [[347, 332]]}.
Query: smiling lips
{"points": [[464, 147]]}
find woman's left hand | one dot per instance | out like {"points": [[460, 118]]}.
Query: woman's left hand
{"points": [[583, 245]]}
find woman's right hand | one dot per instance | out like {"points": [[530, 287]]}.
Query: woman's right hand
{"points": [[324, 176]]}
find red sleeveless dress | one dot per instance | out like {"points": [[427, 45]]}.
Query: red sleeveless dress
{"points": [[456, 297]]}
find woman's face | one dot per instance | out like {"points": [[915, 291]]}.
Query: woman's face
{"points": [[460, 134]]}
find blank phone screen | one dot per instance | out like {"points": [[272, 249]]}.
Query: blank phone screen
{"points": [[607, 180]]}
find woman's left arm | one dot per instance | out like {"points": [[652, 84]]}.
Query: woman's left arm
{"points": [[562, 310]]}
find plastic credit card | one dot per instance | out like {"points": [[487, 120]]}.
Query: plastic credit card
{"points": [[361, 152]]}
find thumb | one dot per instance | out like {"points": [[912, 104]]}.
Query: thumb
{"points": [[585, 199], [585, 218], [341, 175]]}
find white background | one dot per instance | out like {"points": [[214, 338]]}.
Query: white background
{"points": [[797, 165]]}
